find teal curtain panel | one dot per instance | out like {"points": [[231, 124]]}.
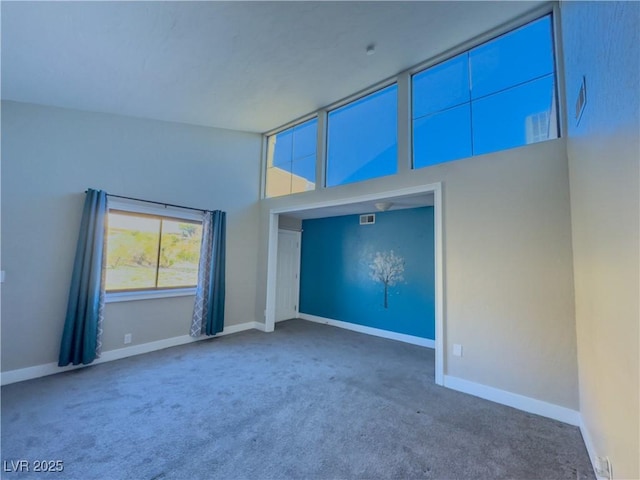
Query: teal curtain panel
{"points": [[208, 311], [85, 309]]}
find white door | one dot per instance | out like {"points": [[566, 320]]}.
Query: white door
{"points": [[288, 273]]}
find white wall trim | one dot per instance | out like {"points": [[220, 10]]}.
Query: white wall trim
{"points": [[526, 404], [436, 188], [321, 150], [113, 297], [359, 198], [272, 273], [404, 133], [151, 208], [296, 280], [19, 375], [591, 450], [401, 337], [438, 254]]}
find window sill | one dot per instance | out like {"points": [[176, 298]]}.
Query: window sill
{"points": [[149, 294]]}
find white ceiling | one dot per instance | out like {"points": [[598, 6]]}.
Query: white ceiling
{"points": [[358, 208], [249, 66]]}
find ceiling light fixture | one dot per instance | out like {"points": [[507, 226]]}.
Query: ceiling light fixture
{"points": [[371, 49], [383, 206]]}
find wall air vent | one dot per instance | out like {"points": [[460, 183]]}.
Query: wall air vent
{"points": [[368, 219], [581, 101]]}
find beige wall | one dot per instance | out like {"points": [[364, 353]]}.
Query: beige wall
{"points": [[601, 42], [281, 182], [508, 266], [50, 156]]}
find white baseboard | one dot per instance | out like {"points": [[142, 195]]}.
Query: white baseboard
{"points": [[527, 404], [401, 337], [19, 375], [591, 450], [503, 397]]}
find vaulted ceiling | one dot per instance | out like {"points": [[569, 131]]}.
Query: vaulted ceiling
{"points": [[249, 66]]}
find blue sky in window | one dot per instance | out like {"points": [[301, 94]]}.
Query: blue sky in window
{"points": [[305, 138], [511, 59], [305, 167], [442, 86], [500, 121], [362, 138], [283, 149], [496, 96], [295, 150], [442, 136]]}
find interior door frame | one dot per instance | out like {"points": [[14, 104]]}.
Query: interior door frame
{"points": [[436, 189], [298, 235]]}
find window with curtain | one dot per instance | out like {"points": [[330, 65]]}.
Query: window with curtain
{"points": [[140, 251], [150, 252]]}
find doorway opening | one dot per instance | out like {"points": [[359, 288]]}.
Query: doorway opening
{"points": [[288, 275], [424, 195]]}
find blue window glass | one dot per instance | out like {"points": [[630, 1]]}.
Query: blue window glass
{"points": [[362, 138], [514, 117], [304, 168], [496, 96], [441, 113], [511, 59], [291, 160], [305, 137], [442, 86], [284, 143], [442, 136]]}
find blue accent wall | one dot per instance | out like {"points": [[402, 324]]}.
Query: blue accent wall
{"points": [[336, 274]]}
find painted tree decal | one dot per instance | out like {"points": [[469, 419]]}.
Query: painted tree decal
{"points": [[387, 268]]}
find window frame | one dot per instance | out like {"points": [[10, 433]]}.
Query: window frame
{"points": [[405, 98], [265, 148], [375, 89], [135, 208], [466, 48]]}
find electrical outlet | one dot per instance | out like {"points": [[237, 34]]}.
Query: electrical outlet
{"points": [[457, 350], [603, 468], [127, 338]]}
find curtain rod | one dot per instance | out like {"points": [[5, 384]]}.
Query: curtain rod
{"points": [[157, 203]]}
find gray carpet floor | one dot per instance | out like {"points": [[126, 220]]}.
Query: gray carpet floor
{"points": [[308, 401]]}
